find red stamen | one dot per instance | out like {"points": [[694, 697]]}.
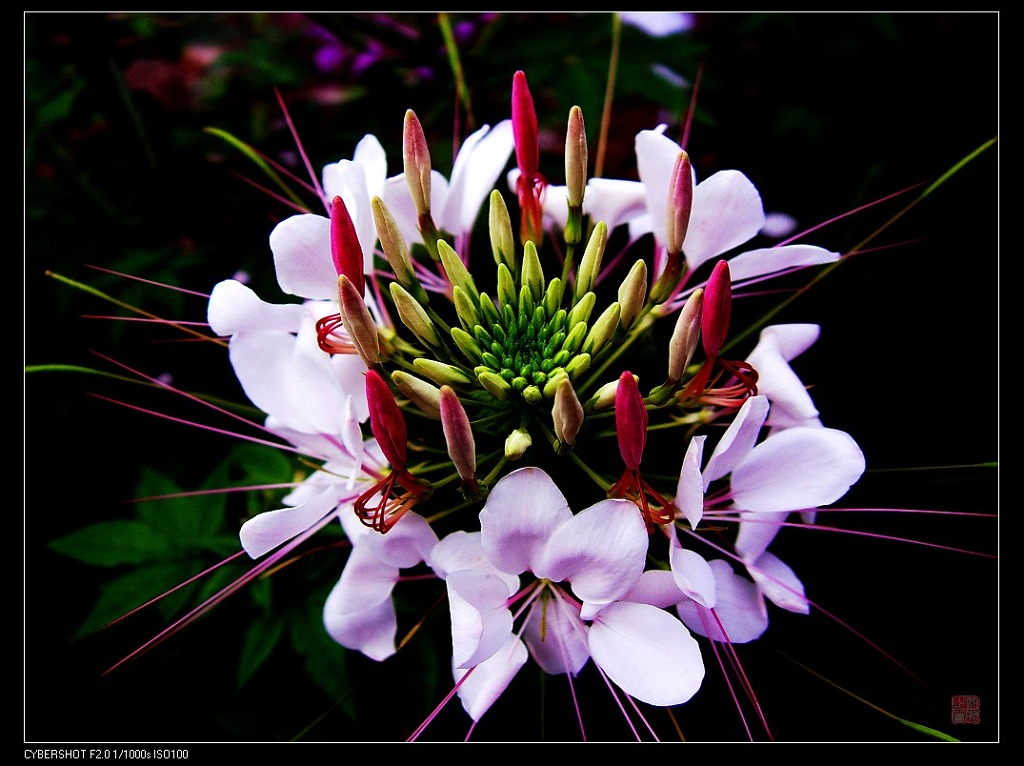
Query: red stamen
{"points": [[388, 426], [331, 337], [702, 390], [631, 428], [632, 486], [385, 513]]}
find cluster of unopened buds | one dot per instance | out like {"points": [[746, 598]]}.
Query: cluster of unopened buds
{"points": [[452, 401]]}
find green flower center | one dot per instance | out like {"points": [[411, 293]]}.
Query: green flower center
{"points": [[527, 348]]}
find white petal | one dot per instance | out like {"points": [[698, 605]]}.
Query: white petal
{"points": [[791, 404], [738, 439], [266, 531], [658, 23], [302, 256], [351, 181], [554, 202], [489, 679], [359, 613], [287, 381], [690, 489], [371, 156], [756, 532], [458, 550], [234, 307], [779, 583], [614, 201], [521, 512], [556, 637], [399, 203], [656, 587], [656, 155], [365, 582], [738, 604], [406, 544], [797, 468], [692, 574], [477, 167], [351, 433], [481, 621], [647, 652], [726, 213], [462, 550], [601, 551], [778, 225], [350, 370], [768, 260]]}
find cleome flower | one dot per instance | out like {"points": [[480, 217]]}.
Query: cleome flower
{"points": [[572, 609], [489, 391]]}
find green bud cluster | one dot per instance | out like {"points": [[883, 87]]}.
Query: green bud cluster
{"points": [[527, 346], [519, 344]]}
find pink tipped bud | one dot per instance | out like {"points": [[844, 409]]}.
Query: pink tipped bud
{"points": [[630, 421], [575, 158], [714, 323], [685, 336], [386, 420], [566, 414], [680, 203], [345, 248], [358, 322], [417, 163], [458, 435]]}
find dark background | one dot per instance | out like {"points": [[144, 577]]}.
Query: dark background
{"points": [[824, 112]]}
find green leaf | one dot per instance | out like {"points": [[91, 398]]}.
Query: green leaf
{"points": [[123, 594], [113, 543], [253, 465], [184, 521], [928, 730], [260, 639], [323, 658]]}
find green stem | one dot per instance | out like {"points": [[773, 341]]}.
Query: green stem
{"points": [[456, 64], [604, 485], [606, 112], [100, 294], [263, 165]]}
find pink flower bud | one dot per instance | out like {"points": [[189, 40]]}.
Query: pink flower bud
{"points": [[680, 203], [356, 318], [386, 420], [714, 324], [530, 184], [566, 413], [524, 126], [575, 158], [630, 420], [345, 248], [458, 435], [416, 154], [685, 335]]}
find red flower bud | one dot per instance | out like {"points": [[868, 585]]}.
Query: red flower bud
{"points": [[345, 248]]}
